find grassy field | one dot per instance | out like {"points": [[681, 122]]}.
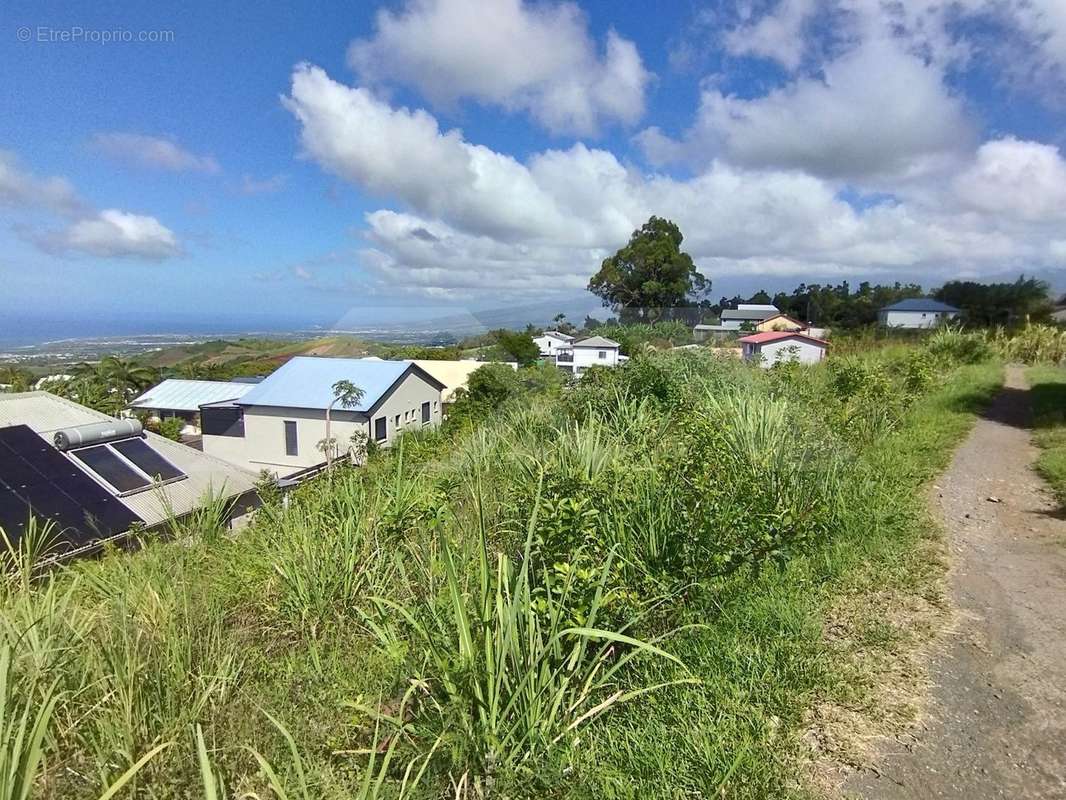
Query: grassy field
{"points": [[1048, 391], [684, 578]]}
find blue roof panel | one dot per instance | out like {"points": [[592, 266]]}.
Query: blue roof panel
{"points": [[919, 304], [307, 382]]}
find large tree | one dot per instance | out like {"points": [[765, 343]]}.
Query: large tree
{"points": [[650, 274]]}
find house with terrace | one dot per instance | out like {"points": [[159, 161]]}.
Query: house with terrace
{"points": [[550, 342], [282, 424], [594, 351]]}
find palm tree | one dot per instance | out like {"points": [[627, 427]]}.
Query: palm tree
{"points": [[125, 376], [348, 395]]}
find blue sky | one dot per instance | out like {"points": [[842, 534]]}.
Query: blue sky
{"points": [[351, 163]]}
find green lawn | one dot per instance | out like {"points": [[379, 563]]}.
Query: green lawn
{"points": [[1048, 391]]}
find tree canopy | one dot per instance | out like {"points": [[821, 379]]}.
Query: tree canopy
{"points": [[650, 274], [997, 303], [519, 346]]}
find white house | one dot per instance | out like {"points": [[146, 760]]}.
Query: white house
{"points": [[550, 342], [916, 313], [595, 351], [280, 425], [772, 347]]}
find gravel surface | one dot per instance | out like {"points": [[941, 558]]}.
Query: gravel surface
{"points": [[996, 726]]}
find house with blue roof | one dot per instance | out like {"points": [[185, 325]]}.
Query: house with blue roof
{"points": [[279, 425], [916, 313]]}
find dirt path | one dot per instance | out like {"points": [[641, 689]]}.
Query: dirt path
{"points": [[996, 727]]}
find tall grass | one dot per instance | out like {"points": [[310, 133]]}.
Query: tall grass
{"points": [[486, 612]]}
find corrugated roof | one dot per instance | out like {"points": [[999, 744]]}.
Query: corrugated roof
{"points": [[773, 336], [920, 304], [566, 337], [178, 394], [596, 341], [750, 313], [45, 413], [307, 382]]}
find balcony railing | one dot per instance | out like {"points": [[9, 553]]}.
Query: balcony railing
{"points": [[564, 357]]}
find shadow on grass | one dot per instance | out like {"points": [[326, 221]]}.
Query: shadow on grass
{"points": [[1049, 404]]}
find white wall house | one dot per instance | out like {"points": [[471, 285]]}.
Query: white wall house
{"points": [[550, 342], [278, 425], [773, 347], [595, 351], [916, 313]]}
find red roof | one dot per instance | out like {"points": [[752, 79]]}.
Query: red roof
{"points": [[773, 336]]}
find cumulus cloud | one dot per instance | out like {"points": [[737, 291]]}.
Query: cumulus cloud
{"points": [[877, 111], [107, 233], [537, 58], [1024, 180], [152, 152], [476, 220], [22, 189], [114, 234]]}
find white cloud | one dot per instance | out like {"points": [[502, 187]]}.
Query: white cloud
{"points": [[777, 36], [1018, 179], [152, 152], [115, 234], [252, 186], [480, 221], [532, 57], [879, 111], [22, 189]]}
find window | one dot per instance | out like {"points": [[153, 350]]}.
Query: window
{"points": [[380, 428], [436, 404], [291, 445], [603, 354], [225, 421], [425, 413]]}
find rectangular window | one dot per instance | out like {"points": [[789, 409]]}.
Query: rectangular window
{"points": [[224, 421], [380, 428], [425, 412], [603, 354], [291, 445]]}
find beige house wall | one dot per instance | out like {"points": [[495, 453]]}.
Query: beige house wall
{"points": [[263, 444]]}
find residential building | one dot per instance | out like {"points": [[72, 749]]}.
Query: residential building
{"points": [[96, 478], [454, 375], [280, 425], [779, 322], [773, 347], [181, 398], [916, 313], [594, 351], [746, 316], [550, 342]]}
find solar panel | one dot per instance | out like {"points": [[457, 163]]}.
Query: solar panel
{"points": [[116, 472], [147, 459], [36, 480]]}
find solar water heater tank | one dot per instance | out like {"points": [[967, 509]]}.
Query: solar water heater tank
{"points": [[96, 433]]}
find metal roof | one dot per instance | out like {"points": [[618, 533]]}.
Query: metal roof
{"points": [[178, 394], [45, 413], [759, 313], [920, 304], [773, 336], [307, 382], [558, 335], [596, 341]]}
